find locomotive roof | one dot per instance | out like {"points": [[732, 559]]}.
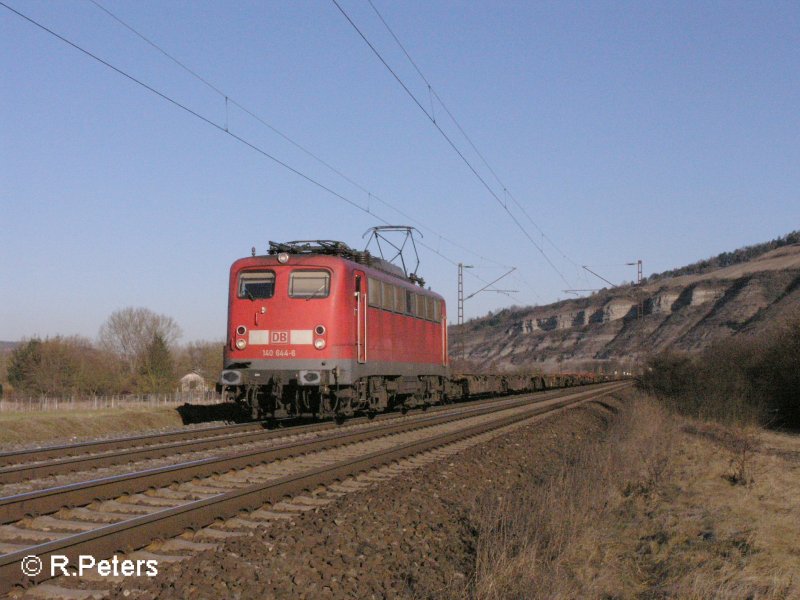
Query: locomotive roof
{"points": [[340, 249]]}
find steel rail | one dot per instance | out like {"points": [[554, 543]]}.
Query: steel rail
{"points": [[26, 472], [139, 531], [49, 500], [95, 447], [15, 457], [59, 451], [126, 450]]}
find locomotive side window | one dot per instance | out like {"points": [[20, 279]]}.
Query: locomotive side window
{"points": [[410, 303], [256, 284], [388, 296], [374, 292], [309, 284], [403, 301], [399, 299], [420, 306]]}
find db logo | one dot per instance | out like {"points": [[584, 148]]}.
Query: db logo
{"points": [[279, 337]]}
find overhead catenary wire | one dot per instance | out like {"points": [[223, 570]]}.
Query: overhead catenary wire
{"points": [[433, 94], [210, 122], [452, 144], [230, 100]]}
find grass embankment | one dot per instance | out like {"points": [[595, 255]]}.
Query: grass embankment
{"points": [[660, 507], [31, 428]]}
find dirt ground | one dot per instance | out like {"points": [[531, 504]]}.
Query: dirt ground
{"points": [[604, 501], [410, 537]]}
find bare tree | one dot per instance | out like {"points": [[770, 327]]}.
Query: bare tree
{"points": [[128, 332], [63, 365]]}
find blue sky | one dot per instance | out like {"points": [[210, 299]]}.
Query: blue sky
{"points": [[668, 132]]}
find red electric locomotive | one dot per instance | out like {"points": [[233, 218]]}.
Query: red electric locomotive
{"points": [[315, 327]]}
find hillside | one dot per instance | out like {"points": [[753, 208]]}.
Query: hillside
{"points": [[697, 305]]}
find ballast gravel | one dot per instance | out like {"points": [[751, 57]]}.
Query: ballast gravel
{"points": [[407, 537]]}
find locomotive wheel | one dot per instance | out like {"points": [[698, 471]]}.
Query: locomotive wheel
{"points": [[329, 407]]}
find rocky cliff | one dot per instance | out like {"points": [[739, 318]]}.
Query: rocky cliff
{"points": [[615, 328]]}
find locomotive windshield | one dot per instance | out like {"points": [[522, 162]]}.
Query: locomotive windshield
{"points": [[309, 284], [256, 284]]}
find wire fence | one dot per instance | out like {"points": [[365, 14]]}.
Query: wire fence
{"points": [[20, 403]]}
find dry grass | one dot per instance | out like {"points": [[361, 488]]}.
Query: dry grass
{"points": [[59, 426], [659, 508], [741, 441]]}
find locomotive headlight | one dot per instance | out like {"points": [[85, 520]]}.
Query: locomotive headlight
{"points": [[241, 344], [283, 257], [319, 343]]}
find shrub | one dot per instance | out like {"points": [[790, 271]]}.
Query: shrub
{"points": [[743, 380], [61, 366]]}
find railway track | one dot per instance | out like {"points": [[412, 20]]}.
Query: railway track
{"points": [[122, 513], [50, 499], [31, 455], [24, 465], [36, 463]]}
